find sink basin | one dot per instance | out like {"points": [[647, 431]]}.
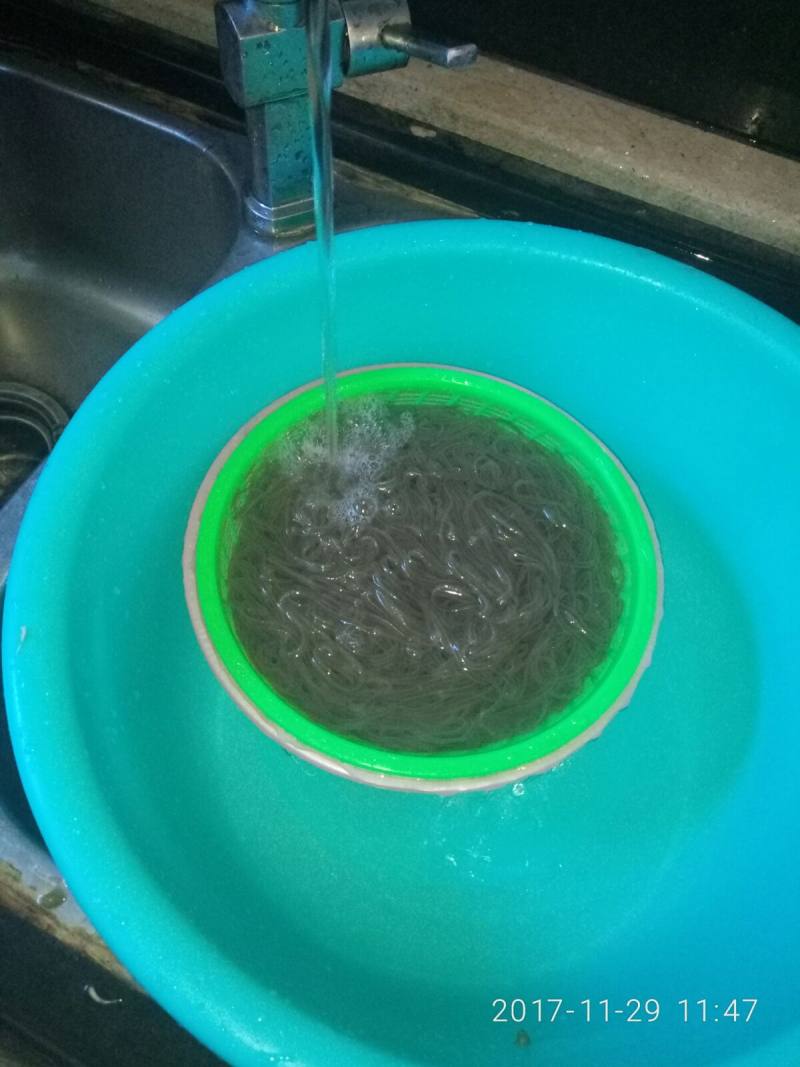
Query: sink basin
{"points": [[109, 218]]}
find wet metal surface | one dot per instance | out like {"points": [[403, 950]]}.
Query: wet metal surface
{"points": [[108, 219]]}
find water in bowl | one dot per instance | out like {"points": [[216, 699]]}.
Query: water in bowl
{"points": [[446, 583]]}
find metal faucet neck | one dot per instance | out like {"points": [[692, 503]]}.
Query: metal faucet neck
{"points": [[262, 51]]}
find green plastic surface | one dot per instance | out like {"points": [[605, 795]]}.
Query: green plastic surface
{"points": [[484, 396]]}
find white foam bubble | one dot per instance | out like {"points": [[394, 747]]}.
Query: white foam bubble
{"points": [[370, 434]]}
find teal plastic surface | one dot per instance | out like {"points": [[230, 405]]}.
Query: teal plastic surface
{"points": [[287, 916]]}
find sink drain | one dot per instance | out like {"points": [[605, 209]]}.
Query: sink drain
{"points": [[30, 424]]}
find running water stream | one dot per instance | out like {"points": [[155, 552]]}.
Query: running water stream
{"points": [[320, 76]]}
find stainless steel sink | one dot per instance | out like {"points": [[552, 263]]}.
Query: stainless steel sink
{"points": [[110, 216]]}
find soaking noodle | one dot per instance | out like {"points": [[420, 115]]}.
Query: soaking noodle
{"points": [[448, 584]]}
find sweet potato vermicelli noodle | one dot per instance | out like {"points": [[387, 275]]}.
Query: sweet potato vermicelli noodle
{"points": [[448, 585]]}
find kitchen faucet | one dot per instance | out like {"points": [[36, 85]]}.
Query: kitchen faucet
{"points": [[262, 51]]}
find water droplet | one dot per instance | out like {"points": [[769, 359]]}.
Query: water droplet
{"points": [[52, 899]]}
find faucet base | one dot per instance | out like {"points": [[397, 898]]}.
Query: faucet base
{"points": [[294, 218]]}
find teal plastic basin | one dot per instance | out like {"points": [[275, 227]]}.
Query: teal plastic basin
{"points": [[288, 916]]}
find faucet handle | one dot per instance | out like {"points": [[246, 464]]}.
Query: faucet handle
{"points": [[379, 36], [441, 53]]}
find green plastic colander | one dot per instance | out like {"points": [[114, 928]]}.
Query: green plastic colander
{"points": [[211, 534]]}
